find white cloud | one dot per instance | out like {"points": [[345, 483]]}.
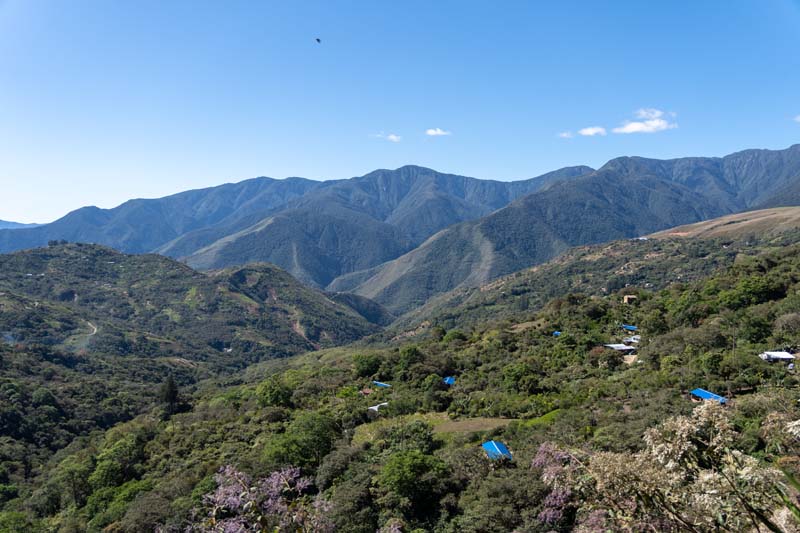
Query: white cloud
{"points": [[592, 131], [797, 118], [391, 137], [648, 113], [565, 135], [436, 132], [650, 121]]}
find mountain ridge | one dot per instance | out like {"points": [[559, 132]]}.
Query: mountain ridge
{"points": [[7, 224], [626, 197], [385, 213], [441, 230]]}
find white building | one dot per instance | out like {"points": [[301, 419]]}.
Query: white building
{"points": [[771, 357]]}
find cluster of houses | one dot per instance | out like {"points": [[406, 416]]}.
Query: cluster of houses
{"points": [[629, 344], [498, 451]]}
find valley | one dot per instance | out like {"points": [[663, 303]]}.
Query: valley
{"points": [[244, 399], [399, 267]]}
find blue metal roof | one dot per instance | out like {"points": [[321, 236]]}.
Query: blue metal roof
{"points": [[449, 380], [706, 395], [556, 334], [629, 327], [496, 450], [382, 385]]}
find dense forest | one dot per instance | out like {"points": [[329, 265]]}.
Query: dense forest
{"points": [[599, 441]]}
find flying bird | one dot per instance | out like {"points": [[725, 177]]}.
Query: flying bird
{"points": [[319, 40]]}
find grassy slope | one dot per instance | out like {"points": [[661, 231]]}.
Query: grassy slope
{"points": [[761, 223]]}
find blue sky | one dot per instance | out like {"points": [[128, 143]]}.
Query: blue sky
{"points": [[101, 101]]}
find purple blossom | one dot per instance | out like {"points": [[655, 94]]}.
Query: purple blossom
{"points": [[548, 455], [554, 505], [277, 503], [595, 522]]}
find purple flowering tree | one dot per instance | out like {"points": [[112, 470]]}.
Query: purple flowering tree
{"points": [[278, 503]]}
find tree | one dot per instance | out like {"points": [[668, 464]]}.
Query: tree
{"points": [[415, 435], [307, 439], [169, 395], [366, 364], [278, 503], [273, 392], [413, 482], [506, 500]]}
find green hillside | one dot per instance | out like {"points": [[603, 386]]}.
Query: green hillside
{"points": [[572, 413], [150, 305], [649, 263], [89, 335]]}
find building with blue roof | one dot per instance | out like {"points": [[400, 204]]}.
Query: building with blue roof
{"points": [[449, 380], [381, 385], [628, 327], [496, 450], [703, 394], [556, 334]]}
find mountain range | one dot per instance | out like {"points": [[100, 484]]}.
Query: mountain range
{"points": [[402, 236], [316, 230], [5, 224], [627, 197]]}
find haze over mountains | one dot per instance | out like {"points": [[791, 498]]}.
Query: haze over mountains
{"points": [[401, 236], [5, 224]]}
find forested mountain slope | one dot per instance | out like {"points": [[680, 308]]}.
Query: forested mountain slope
{"points": [[532, 230], [356, 224], [88, 335], [149, 304], [294, 441], [673, 256], [627, 197]]}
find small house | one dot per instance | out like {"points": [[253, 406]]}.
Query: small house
{"points": [[621, 347], [628, 327], [782, 357], [700, 395], [496, 450], [633, 339], [629, 298], [449, 381]]}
